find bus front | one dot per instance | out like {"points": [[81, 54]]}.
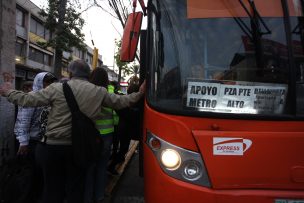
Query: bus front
{"points": [[223, 120]]}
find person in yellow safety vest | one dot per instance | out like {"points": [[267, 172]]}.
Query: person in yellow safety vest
{"points": [[109, 118], [111, 89], [96, 177]]}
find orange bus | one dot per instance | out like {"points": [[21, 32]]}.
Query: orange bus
{"points": [[224, 107]]}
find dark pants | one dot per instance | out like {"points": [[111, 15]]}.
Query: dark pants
{"points": [[124, 139], [38, 177], [115, 142], [33, 190], [62, 179], [96, 176]]}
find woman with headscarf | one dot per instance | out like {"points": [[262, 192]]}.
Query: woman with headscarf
{"points": [[29, 131], [27, 126]]}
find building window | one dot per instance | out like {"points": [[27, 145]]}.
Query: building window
{"points": [[89, 58], [38, 29], [40, 57], [36, 55], [46, 59], [65, 65], [78, 53], [20, 17], [34, 26], [20, 47], [47, 34]]}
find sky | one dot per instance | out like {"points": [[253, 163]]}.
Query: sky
{"points": [[103, 29], [100, 27]]}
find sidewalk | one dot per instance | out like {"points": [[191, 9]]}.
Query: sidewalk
{"points": [[130, 188], [113, 180]]}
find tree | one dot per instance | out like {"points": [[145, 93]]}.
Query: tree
{"points": [[119, 9], [134, 69], [124, 68], [66, 24], [116, 8]]}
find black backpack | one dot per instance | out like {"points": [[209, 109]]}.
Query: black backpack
{"points": [[86, 142]]}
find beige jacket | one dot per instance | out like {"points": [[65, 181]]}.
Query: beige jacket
{"points": [[90, 99]]}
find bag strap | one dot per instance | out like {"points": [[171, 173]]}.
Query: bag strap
{"points": [[70, 98]]}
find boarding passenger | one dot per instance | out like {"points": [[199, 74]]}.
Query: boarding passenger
{"points": [[96, 179]]}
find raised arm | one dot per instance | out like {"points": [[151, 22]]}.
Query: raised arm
{"points": [[31, 99], [121, 101]]}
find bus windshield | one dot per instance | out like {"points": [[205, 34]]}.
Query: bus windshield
{"points": [[235, 64]]}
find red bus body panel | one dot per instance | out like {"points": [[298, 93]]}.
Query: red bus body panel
{"points": [[274, 160], [271, 168]]}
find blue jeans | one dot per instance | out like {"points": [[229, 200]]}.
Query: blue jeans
{"points": [[96, 176]]}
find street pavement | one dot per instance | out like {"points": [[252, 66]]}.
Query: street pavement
{"points": [[129, 186]]}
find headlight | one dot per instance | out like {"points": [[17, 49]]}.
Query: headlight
{"points": [[177, 162], [170, 159]]}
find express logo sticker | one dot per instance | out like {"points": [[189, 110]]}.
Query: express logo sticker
{"points": [[230, 146]]}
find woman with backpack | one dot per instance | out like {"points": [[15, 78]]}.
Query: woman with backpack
{"points": [[96, 179]]}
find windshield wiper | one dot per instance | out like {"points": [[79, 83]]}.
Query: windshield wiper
{"points": [[292, 94], [255, 18], [254, 33], [299, 28]]}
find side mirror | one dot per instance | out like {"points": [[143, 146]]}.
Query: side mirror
{"points": [[130, 37]]}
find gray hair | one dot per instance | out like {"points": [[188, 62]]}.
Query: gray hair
{"points": [[79, 68]]}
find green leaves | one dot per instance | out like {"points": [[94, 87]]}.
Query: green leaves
{"points": [[65, 23], [125, 68]]}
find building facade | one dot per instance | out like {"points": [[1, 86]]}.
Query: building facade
{"points": [[21, 58], [30, 58]]}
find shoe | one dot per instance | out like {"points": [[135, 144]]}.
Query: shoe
{"points": [[113, 172], [104, 200], [113, 155], [120, 159]]}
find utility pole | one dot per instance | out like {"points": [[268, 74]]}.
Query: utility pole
{"points": [[7, 74], [95, 54], [95, 58], [114, 57]]}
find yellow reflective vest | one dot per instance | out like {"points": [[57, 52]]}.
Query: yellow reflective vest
{"points": [[108, 118]]}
